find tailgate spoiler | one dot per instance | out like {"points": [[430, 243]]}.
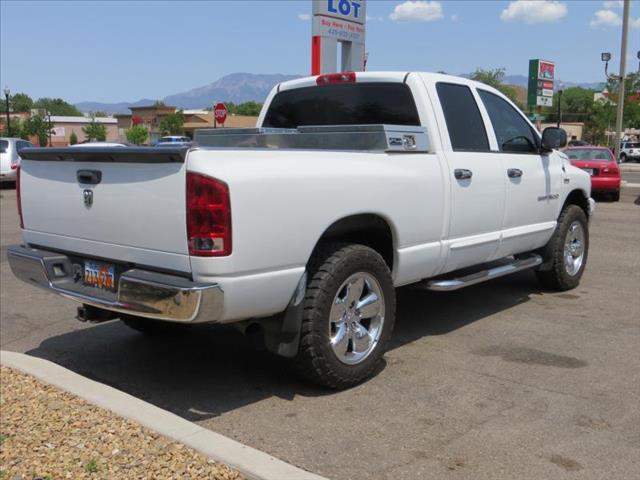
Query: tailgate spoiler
{"points": [[107, 154]]}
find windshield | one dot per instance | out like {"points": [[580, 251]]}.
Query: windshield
{"points": [[4, 145], [343, 104], [589, 154]]}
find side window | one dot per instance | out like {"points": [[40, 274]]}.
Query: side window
{"points": [[464, 122], [22, 144], [513, 133]]}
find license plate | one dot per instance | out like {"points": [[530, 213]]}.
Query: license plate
{"points": [[99, 275], [588, 170]]}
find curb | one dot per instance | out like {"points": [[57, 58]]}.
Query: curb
{"points": [[252, 463]]}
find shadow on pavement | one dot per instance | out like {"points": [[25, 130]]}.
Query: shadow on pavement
{"points": [[212, 369]]}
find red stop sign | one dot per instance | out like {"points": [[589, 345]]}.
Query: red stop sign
{"points": [[220, 112]]}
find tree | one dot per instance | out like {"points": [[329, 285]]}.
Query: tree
{"points": [[21, 102], [137, 134], [73, 138], [99, 113], [39, 126], [95, 131], [249, 108], [172, 124], [159, 103], [494, 78], [15, 128], [57, 106]]}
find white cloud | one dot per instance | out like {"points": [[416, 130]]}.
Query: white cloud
{"points": [[417, 11], [304, 17], [534, 11], [606, 18], [455, 17], [613, 4], [374, 19], [635, 23]]}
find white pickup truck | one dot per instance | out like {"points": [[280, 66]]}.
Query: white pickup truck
{"points": [[352, 184]]}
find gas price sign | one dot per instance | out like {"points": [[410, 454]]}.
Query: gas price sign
{"points": [[541, 78]]}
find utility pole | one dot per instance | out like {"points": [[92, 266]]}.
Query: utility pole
{"points": [[623, 62]]}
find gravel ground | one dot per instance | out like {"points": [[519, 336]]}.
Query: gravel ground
{"points": [[49, 434]]}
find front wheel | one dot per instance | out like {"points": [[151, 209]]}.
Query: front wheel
{"points": [[567, 251], [349, 314]]}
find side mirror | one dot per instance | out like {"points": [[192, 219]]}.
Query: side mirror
{"points": [[553, 138]]}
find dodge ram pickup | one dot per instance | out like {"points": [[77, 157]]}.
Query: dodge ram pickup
{"points": [[352, 184]]}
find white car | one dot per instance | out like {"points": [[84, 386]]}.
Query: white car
{"points": [[629, 151], [352, 184], [10, 157]]}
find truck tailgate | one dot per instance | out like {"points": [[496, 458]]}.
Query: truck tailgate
{"points": [[123, 204]]}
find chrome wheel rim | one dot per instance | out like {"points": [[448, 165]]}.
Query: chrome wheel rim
{"points": [[574, 248], [356, 318]]}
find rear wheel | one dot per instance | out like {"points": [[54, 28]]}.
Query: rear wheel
{"points": [[567, 251], [623, 158], [155, 328], [615, 196], [349, 314]]}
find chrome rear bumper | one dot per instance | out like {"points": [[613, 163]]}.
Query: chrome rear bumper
{"points": [[140, 292]]}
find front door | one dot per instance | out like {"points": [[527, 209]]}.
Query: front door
{"points": [[533, 179]]}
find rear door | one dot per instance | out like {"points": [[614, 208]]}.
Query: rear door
{"points": [[533, 179], [110, 203], [476, 176]]}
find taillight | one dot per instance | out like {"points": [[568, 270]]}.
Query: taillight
{"points": [[14, 163], [19, 201], [208, 216], [333, 78], [611, 170]]}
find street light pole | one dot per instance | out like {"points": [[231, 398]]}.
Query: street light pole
{"points": [[623, 64], [6, 95], [560, 105]]}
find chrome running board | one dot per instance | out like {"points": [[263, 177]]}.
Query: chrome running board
{"points": [[450, 284]]}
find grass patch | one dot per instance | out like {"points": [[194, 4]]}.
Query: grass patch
{"points": [[91, 466]]}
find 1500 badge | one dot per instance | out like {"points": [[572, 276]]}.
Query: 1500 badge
{"points": [[552, 196]]}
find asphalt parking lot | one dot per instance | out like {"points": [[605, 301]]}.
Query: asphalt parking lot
{"points": [[501, 380]]}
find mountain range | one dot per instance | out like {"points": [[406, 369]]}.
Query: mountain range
{"points": [[242, 87]]}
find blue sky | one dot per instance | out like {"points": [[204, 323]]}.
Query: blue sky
{"points": [[124, 51]]}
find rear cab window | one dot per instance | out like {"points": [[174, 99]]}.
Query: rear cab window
{"points": [[343, 104], [466, 128]]}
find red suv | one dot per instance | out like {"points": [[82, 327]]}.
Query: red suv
{"points": [[600, 163]]}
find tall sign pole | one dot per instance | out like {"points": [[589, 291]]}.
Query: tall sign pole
{"points": [[338, 24], [623, 65]]}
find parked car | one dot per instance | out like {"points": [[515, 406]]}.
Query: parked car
{"points": [[174, 141], [352, 184], [601, 164], [629, 151], [578, 143], [10, 157]]}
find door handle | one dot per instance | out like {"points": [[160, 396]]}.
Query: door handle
{"points": [[462, 174], [514, 173], [89, 177]]}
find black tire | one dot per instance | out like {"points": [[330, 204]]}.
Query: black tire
{"points": [[331, 266], [154, 328], [557, 277], [615, 196]]}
